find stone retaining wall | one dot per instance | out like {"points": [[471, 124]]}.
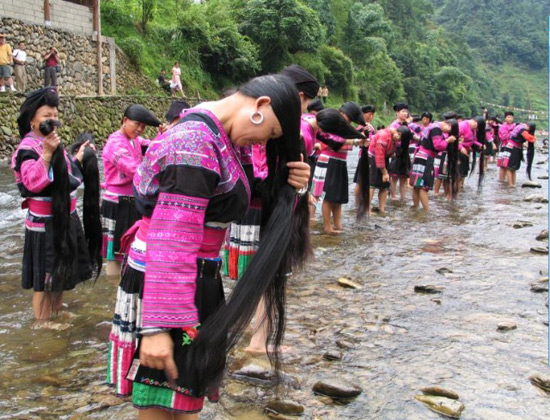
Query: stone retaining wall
{"points": [[100, 114], [78, 67]]}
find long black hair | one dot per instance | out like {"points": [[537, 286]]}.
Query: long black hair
{"points": [[91, 213], [284, 245], [402, 152], [531, 126], [331, 121], [452, 158]]}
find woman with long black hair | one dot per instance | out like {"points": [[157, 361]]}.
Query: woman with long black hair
{"points": [[330, 180], [55, 255], [400, 164], [122, 154], [422, 173], [513, 151], [188, 189]]}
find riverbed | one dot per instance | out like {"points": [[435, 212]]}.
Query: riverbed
{"points": [[392, 341]]}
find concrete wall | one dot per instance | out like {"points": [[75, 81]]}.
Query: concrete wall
{"points": [[64, 15]]}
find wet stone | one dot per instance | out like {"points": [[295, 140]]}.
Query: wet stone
{"points": [[531, 184], [539, 250], [442, 405], [536, 198], [343, 344], [444, 270], [506, 326], [539, 287], [288, 407], [540, 381], [347, 283], [542, 177], [521, 224], [332, 355], [428, 289], [543, 235], [253, 371], [440, 392], [337, 388]]}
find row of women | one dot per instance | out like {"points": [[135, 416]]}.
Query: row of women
{"points": [[172, 328], [414, 152]]}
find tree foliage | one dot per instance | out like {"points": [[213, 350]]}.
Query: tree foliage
{"points": [[432, 53]]}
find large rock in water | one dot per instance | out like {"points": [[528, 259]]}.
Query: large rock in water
{"points": [[542, 235], [442, 405], [288, 407], [337, 388], [531, 184]]}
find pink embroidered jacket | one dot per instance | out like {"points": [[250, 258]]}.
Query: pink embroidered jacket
{"points": [[121, 157], [189, 188]]}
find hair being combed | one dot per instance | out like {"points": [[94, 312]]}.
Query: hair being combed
{"points": [[91, 217], [284, 246], [452, 159], [530, 149]]}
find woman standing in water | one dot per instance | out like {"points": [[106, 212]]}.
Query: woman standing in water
{"points": [[188, 189], [122, 154], [54, 259]]}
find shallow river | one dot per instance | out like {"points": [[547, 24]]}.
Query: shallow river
{"points": [[397, 341]]}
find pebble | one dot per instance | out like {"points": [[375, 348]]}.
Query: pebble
{"points": [[521, 224], [442, 405], [506, 326], [444, 270], [344, 344], [542, 235], [440, 392], [536, 198], [337, 388], [332, 355], [428, 289], [542, 382], [255, 372], [288, 407], [539, 250], [531, 184], [542, 177], [539, 287], [344, 282]]}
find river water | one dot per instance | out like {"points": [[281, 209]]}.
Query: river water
{"points": [[396, 341]]}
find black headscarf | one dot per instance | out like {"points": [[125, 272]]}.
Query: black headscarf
{"points": [[175, 110], [354, 113], [315, 105], [305, 82], [141, 114], [368, 108], [399, 106], [34, 100]]}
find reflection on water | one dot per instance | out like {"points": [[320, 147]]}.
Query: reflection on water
{"points": [[396, 341]]}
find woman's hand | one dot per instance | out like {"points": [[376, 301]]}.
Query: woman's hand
{"points": [[465, 152], [163, 128], [80, 154], [385, 177], [298, 176], [451, 139], [157, 352], [49, 145]]}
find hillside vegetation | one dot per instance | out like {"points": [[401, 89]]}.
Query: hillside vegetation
{"points": [[435, 54]]}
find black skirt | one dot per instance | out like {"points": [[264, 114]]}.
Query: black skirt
{"points": [[209, 297], [38, 254], [463, 165], [400, 167], [336, 182], [375, 175], [124, 214]]}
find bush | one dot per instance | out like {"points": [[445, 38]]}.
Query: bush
{"points": [[133, 48]]}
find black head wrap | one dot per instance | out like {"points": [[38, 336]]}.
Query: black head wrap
{"points": [[305, 82], [508, 113], [141, 114], [354, 113], [427, 115], [459, 116], [34, 100], [175, 110], [368, 108], [315, 105], [399, 106], [449, 115]]}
